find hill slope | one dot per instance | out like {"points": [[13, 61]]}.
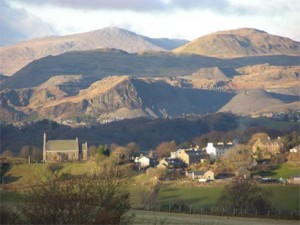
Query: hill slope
{"points": [[254, 101], [16, 56], [111, 98], [239, 43], [102, 63]]}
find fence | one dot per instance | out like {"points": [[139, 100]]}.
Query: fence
{"points": [[217, 211]]}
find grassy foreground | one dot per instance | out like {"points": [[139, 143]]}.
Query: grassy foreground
{"points": [[283, 197], [148, 217]]}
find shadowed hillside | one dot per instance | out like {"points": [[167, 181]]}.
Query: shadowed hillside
{"points": [[109, 62]]}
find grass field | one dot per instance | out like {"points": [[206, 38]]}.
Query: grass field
{"points": [[27, 174], [148, 217], [283, 197], [284, 170], [194, 196]]}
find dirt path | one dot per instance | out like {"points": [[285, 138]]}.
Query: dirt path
{"points": [[148, 217]]}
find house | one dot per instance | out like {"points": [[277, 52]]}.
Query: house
{"points": [[64, 150], [295, 149], [243, 173], [144, 161], [190, 156], [294, 180], [202, 176], [266, 148], [171, 163], [215, 151]]}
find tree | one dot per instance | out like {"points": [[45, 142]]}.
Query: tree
{"points": [[244, 195], [25, 152], [291, 140], [99, 199], [36, 153], [133, 147], [121, 154], [7, 153], [103, 150], [164, 149], [236, 157], [92, 151]]}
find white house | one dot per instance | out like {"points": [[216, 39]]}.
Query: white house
{"points": [[295, 149], [217, 150], [143, 161]]}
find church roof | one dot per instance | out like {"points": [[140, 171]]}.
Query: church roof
{"points": [[61, 145]]}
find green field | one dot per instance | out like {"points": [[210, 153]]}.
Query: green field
{"points": [[24, 174], [284, 170], [148, 217], [172, 192], [283, 197], [194, 196]]}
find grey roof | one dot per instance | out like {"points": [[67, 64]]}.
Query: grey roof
{"points": [[62, 145]]}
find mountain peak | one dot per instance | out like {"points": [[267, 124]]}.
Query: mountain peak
{"points": [[239, 43]]}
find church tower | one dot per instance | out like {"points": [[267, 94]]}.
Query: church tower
{"points": [[44, 148]]}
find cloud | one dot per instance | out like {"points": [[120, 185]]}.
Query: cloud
{"points": [[17, 24], [139, 5]]}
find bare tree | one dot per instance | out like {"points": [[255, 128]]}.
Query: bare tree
{"points": [[36, 153], [122, 154], [164, 149], [7, 153], [92, 151], [236, 157], [133, 147], [244, 195], [99, 199], [25, 151]]}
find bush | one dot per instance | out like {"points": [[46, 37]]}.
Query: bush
{"points": [[98, 199], [246, 195]]}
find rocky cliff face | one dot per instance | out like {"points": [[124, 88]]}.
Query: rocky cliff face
{"points": [[77, 97]]}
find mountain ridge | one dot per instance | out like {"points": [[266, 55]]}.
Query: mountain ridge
{"points": [[239, 43], [14, 57]]}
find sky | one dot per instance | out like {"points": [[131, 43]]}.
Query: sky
{"points": [[185, 19]]}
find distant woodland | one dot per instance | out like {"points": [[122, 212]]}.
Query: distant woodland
{"points": [[147, 133]]}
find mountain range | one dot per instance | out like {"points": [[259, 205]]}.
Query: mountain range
{"points": [[112, 74], [17, 56]]}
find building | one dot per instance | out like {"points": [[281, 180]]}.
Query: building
{"points": [[144, 161], [171, 163], [217, 150], [266, 148], [190, 156], [202, 176], [295, 149], [243, 173], [294, 180], [64, 150]]}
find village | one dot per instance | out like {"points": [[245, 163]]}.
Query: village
{"points": [[213, 163]]}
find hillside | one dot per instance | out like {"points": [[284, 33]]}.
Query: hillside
{"points": [[17, 56], [249, 102], [102, 63], [208, 90], [115, 97], [239, 43], [278, 79]]}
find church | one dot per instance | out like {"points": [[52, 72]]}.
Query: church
{"points": [[64, 150]]}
